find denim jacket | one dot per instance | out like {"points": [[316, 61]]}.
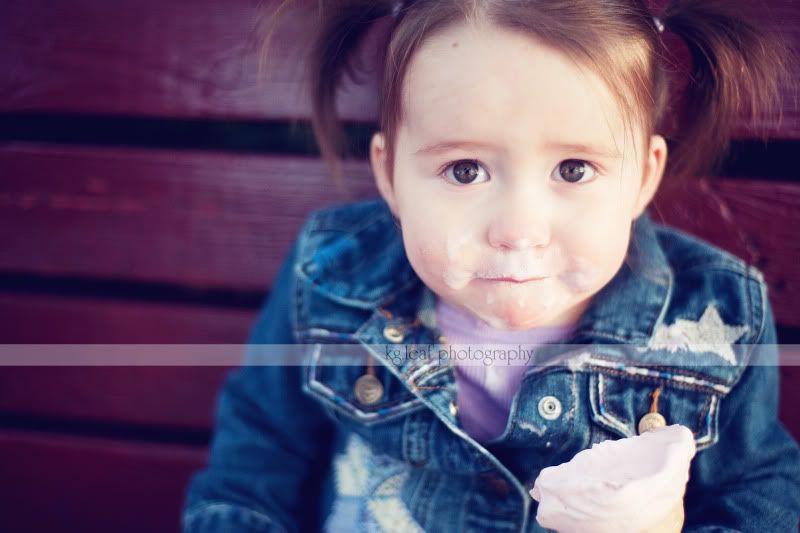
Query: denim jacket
{"points": [[295, 449]]}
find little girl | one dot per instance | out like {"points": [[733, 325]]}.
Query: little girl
{"points": [[517, 156]]}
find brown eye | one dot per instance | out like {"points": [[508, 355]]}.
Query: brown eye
{"points": [[467, 172], [573, 170]]}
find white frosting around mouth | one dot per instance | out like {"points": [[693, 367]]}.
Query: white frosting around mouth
{"points": [[520, 264], [582, 275], [629, 484], [457, 279]]}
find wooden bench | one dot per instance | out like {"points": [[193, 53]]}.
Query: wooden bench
{"points": [[150, 184]]}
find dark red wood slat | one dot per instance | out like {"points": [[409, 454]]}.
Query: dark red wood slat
{"points": [[197, 219], [153, 396], [64, 484], [32, 318], [186, 58], [139, 398], [198, 58], [790, 392]]}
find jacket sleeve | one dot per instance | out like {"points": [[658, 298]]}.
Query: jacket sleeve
{"points": [[749, 480], [269, 446]]}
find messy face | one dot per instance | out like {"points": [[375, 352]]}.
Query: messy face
{"points": [[514, 181]]}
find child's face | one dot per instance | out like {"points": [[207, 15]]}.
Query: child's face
{"points": [[516, 225]]}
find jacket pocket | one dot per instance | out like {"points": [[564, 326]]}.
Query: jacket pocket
{"points": [[332, 378], [621, 396]]}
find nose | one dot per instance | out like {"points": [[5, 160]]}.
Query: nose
{"points": [[521, 223]]}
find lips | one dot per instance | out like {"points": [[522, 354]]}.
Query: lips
{"points": [[514, 280]]}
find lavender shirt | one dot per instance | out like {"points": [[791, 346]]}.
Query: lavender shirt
{"points": [[485, 392]]}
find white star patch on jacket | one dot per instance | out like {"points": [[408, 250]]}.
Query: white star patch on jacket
{"points": [[708, 334], [368, 487]]}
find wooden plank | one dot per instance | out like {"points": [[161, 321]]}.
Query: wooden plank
{"points": [[185, 58], [33, 318], [198, 58], [144, 398], [755, 220], [790, 394], [64, 484], [153, 396], [186, 218]]}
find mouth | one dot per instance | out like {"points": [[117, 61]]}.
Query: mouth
{"points": [[515, 280]]}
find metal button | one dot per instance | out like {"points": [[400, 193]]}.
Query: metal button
{"points": [[500, 486], [368, 389], [651, 421], [496, 483], [550, 407], [393, 334], [453, 408]]}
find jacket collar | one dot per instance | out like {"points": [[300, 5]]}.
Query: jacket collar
{"points": [[354, 255], [359, 260]]}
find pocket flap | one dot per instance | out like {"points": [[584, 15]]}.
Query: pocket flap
{"points": [[333, 373], [620, 399]]}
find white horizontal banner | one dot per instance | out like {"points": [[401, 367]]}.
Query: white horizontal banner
{"points": [[400, 355]]}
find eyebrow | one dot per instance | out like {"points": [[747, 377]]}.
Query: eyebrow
{"points": [[444, 146], [596, 151]]}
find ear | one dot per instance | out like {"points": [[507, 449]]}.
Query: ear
{"points": [[655, 162], [381, 171]]}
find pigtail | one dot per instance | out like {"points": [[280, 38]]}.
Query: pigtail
{"points": [[339, 29], [343, 27], [737, 70]]}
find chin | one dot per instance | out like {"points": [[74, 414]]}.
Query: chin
{"points": [[514, 318], [523, 323]]}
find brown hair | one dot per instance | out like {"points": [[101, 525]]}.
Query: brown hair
{"points": [[733, 63]]}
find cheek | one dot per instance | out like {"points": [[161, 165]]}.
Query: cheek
{"points": [[440, 257], [426, 249], [605, 243], [435, 240], [595, 254]]}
